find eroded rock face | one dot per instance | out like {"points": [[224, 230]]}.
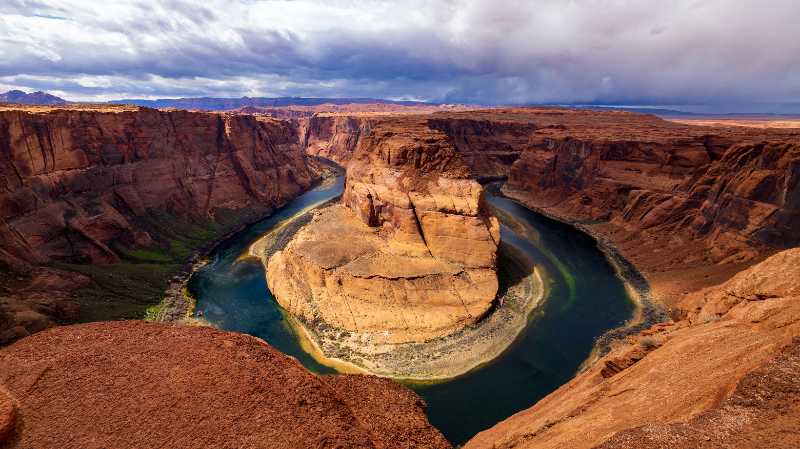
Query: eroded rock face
{"points": [[144, 385], [333, 137], [74, 181], [658, 184], [77, 184], [409, 255], [489, 145]]}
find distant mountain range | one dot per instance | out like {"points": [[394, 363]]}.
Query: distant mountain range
{"points": [[221, 104], [227, 104], [18, 96]]}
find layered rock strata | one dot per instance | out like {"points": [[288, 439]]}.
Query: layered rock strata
{"points": [[145, 385], [80, 184], [74, 181], [408, 256], [674, 199], [333, 137], [487, 144]]}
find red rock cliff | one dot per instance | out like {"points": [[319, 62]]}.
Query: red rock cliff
{"points": [[74, 181], [333, 137], [660, 191], [92, 185]]}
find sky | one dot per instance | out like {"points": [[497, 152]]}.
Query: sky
{"points": [[721, 55]]}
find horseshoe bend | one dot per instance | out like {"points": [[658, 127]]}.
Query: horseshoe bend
{"points": [[408, 256], [627, 280]]}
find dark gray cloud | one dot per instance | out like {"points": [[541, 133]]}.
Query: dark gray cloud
{"points": [[683, 52]]}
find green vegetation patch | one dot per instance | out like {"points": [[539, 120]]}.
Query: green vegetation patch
{"points": [[134, 287], [122, 290]]}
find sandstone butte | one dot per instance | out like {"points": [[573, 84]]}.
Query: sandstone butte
{"points": [[702, 212], [408, 256]]}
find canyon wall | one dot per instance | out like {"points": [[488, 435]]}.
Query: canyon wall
{"points": [[488, 145], [659, 191], [74, 181], [96, 185], [410, 253], [333, 137]]}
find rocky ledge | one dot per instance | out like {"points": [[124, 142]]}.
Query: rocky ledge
{"points": [[145, 385]]}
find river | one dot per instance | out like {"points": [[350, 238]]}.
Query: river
{"points": [[584, 298]]}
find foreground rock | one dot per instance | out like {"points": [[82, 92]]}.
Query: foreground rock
{"points": [[147, 385], [762, 412], [678, 371]]}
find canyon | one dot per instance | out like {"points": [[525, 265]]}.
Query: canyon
{"points": [[707, 215]]}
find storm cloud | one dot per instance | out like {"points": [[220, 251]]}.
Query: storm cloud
{"points": [[729, 55]]}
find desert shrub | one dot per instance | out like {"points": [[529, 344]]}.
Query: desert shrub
{"points": [[648, 343]]}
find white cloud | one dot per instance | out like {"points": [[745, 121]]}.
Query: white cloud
{"points": [[714, 51]]}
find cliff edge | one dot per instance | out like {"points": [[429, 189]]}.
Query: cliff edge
{"points": [[135, 384]]}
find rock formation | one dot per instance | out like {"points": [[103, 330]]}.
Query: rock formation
{"points": [[489, 144], [145, 385], [676, 371], [81, 185], [408, 256]]}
